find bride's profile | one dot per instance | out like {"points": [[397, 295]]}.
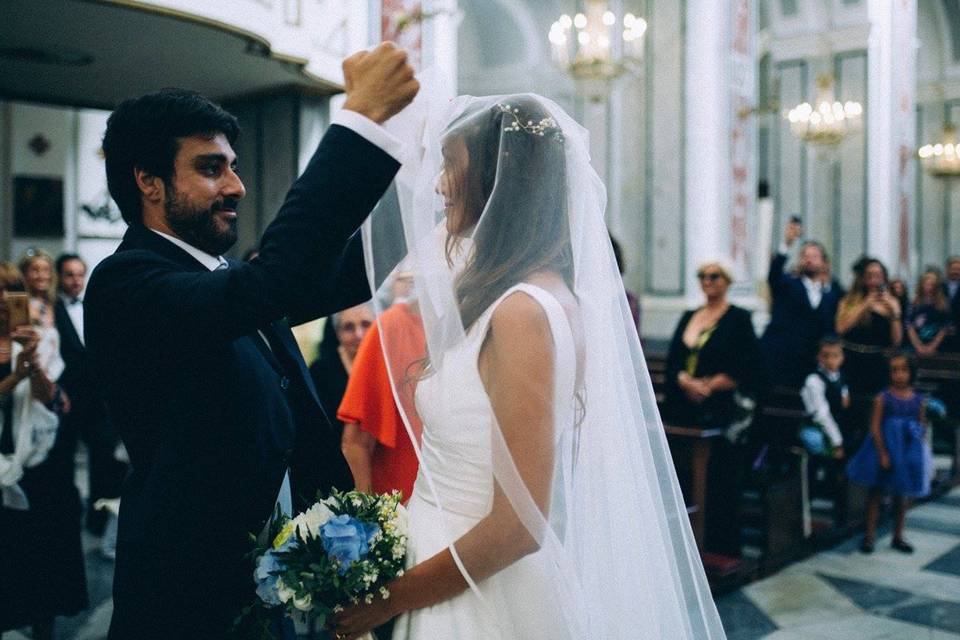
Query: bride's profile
{"points": [[546, 505]]}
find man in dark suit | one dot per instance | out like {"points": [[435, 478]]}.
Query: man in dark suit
{"points": [[951, 287], [202, 376], [803, 310], [87, 417]]}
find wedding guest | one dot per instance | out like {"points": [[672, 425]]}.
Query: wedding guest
{"points": [[898, 289], [343, 333], [632, 298], [870, 322], [802, 310], [928, 321], [825, 394], [952, 289], [375, 441], [893, 460], [87, 418], [714, 370], [43, 571]]}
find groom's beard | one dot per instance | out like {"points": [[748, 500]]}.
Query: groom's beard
{"points": [[201, 228]]}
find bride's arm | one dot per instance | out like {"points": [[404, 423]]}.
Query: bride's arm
{"points": [[517, 367]]}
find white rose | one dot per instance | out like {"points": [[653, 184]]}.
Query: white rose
{"points": [[315, 517], [284, 592], [401, 521], [304, 604]]}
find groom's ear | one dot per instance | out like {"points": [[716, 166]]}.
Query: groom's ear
{"points": [[152, 187]]}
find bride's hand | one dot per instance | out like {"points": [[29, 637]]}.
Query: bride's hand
{"points": [[358, 619]]}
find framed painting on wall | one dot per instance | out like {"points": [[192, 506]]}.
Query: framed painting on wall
{"points": [[37, 207]]}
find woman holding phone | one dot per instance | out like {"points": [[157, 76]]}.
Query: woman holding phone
{"points": [[39, 518], [869, 321]]}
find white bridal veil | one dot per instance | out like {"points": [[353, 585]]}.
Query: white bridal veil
{"points": [[615, 558]]}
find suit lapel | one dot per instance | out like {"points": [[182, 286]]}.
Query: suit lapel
{"points": [[804, 295], [281, 338], [68, 332]]}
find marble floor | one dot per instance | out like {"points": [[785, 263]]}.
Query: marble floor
{"points": [[838, 594], [841, 594]]}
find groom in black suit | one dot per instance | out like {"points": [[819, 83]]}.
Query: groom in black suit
{"points": [[201, 374]]}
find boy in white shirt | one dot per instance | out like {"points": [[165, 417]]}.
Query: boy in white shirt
{"points": [[825, 393]]}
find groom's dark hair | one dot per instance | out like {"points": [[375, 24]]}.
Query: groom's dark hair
{"points": [[145, 132]]}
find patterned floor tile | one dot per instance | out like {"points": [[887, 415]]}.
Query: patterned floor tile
{"points": [[793, 598], [864, 627], [742, 619], [900, 605], [934, 524], [947, 563]]}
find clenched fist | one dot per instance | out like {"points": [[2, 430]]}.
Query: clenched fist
{"points": [[379, 82]]}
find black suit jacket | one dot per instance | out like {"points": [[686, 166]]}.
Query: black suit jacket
{"points": [[790, 340], [210, 417], [87, 417], [76, 375]]}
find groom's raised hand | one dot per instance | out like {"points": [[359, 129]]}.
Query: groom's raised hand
{"points": [[379, 82]]}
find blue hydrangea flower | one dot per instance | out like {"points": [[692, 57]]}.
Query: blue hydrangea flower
{"points": [[347, 539], [266, 582]]}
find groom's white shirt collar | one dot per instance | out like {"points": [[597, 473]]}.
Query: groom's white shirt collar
{"points": [[207, 260]]}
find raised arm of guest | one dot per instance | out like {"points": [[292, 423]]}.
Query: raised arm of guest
{"points": [[776, 278]]}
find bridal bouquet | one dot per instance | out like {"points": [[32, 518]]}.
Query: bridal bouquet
{"points": [[341, 550]]}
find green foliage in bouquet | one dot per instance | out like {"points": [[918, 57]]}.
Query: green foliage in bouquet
{"points": [[340, 551]]}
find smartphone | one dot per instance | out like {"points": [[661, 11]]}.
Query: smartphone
{"points": [[16, 311]]}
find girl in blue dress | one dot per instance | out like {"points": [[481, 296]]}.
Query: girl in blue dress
{"points": [[894, 459]]}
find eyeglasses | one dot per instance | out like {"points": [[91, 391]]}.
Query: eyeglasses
{"points": [[710, 277]]}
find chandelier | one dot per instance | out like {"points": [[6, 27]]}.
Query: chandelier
{"points": [[596, 48], [830, 122], [942, 159]]}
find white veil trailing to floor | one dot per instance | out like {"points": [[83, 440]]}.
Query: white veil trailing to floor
{"points": [[615, 556]]}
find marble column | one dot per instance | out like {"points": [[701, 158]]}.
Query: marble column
{"points": [[891, 123], [721, 61]]}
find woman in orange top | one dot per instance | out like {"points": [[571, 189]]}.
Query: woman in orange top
{"points": [[375, 441]]}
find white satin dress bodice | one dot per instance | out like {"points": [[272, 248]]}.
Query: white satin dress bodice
{"points": [[454, 490]]}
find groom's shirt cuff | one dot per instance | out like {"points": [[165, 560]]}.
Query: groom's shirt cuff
{"points": [[367, 128]]}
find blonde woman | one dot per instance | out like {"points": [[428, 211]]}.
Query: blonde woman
{"points": [[714, 367]]}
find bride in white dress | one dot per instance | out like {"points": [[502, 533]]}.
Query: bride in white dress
{"points": [[546, 506]]}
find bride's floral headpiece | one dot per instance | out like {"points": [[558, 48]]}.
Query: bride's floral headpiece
{"points": [[545, 127]]}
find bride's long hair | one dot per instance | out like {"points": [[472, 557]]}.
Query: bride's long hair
{"points": [[513, 199]]}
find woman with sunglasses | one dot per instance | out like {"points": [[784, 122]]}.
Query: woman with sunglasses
{"points": [[714, 367]]}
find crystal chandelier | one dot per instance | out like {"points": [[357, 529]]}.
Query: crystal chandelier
{"points": [[596, 48], [830, 122], [943, 158]]}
